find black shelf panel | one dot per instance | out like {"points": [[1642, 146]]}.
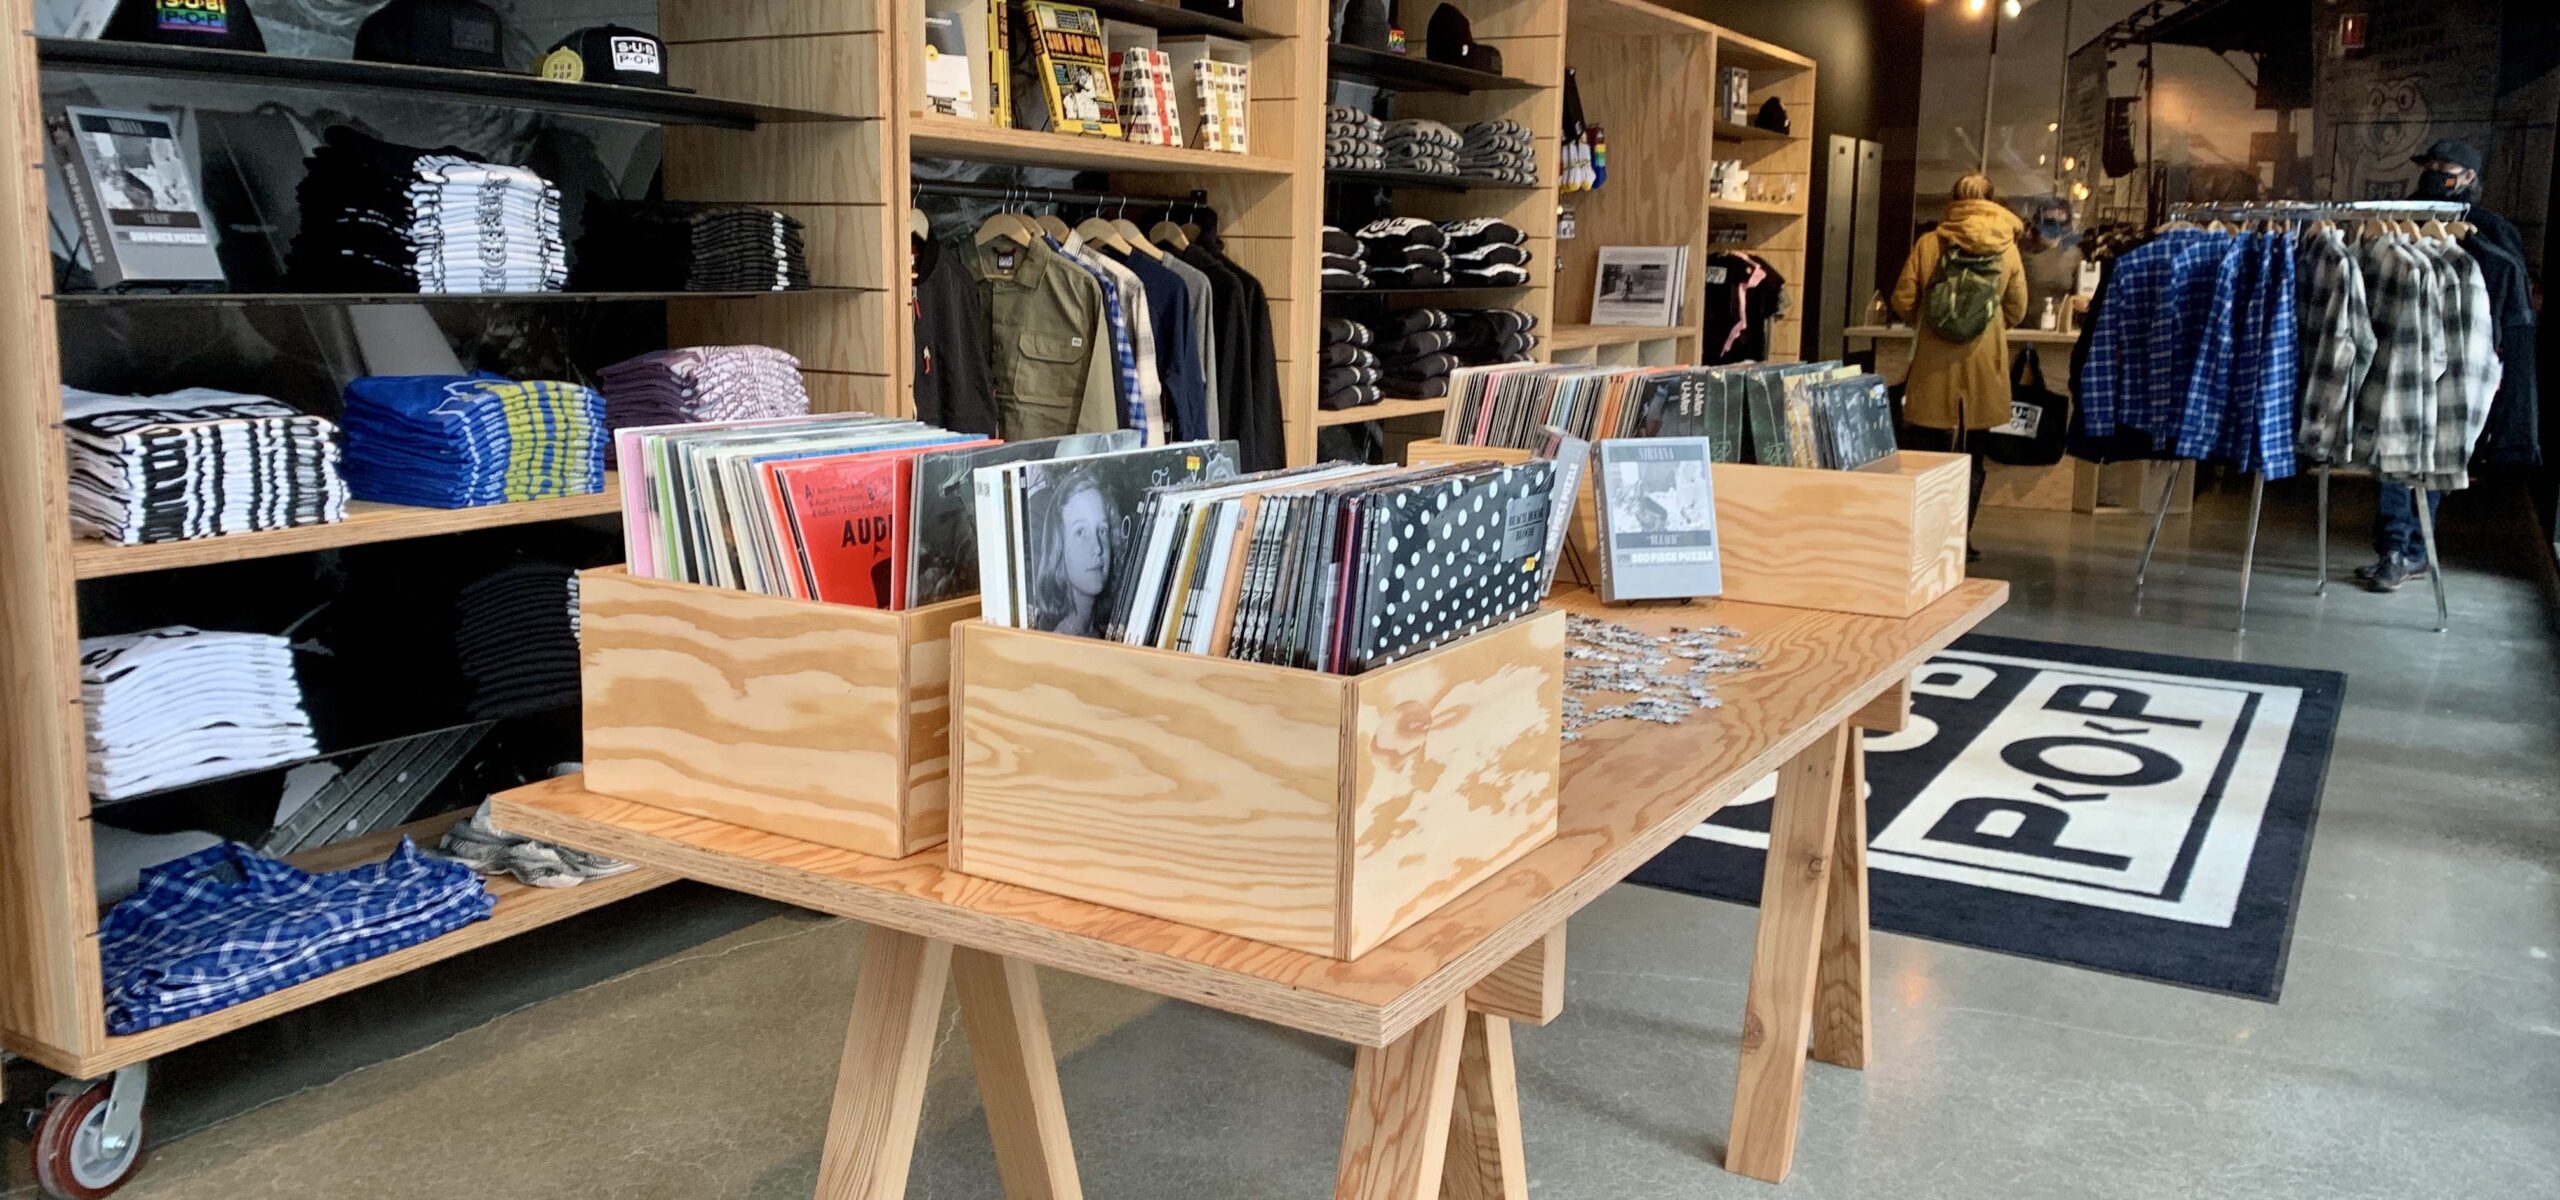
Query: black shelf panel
{"points": [[1414, 73], [217, 299], [1171, 18], [1405, 179], [655, 106]]}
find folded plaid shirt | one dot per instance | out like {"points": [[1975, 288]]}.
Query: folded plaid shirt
{"points": [[227, 925], [2337, 344]]}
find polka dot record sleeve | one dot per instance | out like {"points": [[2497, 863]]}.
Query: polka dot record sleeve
{"points": [[1447, 558]]}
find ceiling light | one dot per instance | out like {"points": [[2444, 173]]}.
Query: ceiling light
{"points": [[1975, 7], [2013, 8]]}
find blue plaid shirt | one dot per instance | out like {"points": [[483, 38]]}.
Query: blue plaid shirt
{"points": [[2196, 349], [228, 925]]}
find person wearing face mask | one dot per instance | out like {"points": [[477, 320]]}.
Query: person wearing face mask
{"points": [[2450, 171]]}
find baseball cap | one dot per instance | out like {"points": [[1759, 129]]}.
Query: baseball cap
{"points": [[1453, 41], [2460, 153], [210, 24], [608, 54], [434, 33]]}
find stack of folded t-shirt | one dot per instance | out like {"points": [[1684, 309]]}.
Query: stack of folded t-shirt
{"points": [[174, 706], [197, 463], [668, 246], [380, 216], [1413, 354], [1486, 336], [1343, 270], [1499, 151], [450, 441], [1422, 145], [703, 383], [1353, 140], [1404, 252], [515, 640], [1485, 252], [1350, 377], [747, 250]]}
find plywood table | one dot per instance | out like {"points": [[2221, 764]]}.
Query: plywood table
{"points": [[1434, 1111]]}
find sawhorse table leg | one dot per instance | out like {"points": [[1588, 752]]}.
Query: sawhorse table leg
{"points": [[1434, 1116], [897, 1007], [1810, 954]]}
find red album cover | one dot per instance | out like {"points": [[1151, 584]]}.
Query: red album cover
{"points": [[846, 517]]}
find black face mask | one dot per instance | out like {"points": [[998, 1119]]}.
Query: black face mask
{"points": [[2439, 185]]}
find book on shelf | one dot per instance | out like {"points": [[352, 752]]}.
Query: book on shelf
{"points": [[1657, 513], [1063, 44], [1147, 105], [955, 58], [1218, 73], [134, 197]]}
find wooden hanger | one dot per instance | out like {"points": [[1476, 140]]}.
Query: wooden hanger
{"points": [[1102, 233], [2437, 229], [919, 226], [1166, 233], [1003, 226]]}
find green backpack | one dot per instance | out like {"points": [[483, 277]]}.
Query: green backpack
{"points": [[1965, 296]]}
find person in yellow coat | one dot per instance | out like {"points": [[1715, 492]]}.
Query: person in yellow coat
{"points": [[1963, 288]]}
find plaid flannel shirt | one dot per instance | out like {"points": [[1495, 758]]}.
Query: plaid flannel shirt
{"points": [[2472, 369], [2337, 342], [2395, 410], [2150, 335], [2266, 388], [2202, 406], [227, 925]]}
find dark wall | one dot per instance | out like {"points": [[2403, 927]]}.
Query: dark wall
{"points": [[1867, 85]]}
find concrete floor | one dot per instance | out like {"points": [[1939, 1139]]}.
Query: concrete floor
{"points": [[683, 1046]]}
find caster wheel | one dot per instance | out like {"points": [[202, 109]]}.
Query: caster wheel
{"points": [[76, 1157]]}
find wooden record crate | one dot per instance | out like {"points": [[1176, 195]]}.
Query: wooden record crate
{"points": [[1324, 813], [821, 722], [1886, 541]]}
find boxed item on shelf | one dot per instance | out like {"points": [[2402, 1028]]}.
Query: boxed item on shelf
{"points": [[1219, 73], [822, 722], [1324, 813]]}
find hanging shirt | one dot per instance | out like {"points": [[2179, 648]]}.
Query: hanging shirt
{"points": [[1047, 341], [2469, 385], [2337, 344], [2395, 411], [2150, 335], [1203, 299], [1120, 297], [954, 384], [1178, 364]]}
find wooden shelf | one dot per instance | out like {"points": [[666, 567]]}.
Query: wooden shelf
{"points": [[1730, 131], [366, 523], [520, 908], [1384, 410], [950, 137], [1752, 54], [305, 299], [653, 106], [1756, 208], [1631, 18], [1414, 73], [1170, 17], [1580, 337]]}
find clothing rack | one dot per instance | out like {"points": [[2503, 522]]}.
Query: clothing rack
{"points": [[2293, 211]]}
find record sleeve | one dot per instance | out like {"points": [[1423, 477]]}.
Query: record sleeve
{"points": [[1075, 518]]}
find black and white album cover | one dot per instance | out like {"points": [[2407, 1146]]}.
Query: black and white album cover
{"points": [[1449, 557], [1076, 517], [1637, 285], [943, 544], [1658, 520], [134, 194]]}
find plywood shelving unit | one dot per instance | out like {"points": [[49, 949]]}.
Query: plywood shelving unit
{"points": [[1648, 77], [787, 108]]}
